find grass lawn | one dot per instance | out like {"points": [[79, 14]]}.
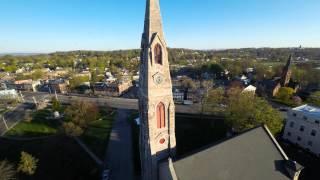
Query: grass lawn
{"points": [[37, 126], [60, 158], [97, 135]]}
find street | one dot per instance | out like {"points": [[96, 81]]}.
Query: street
{"points": [[113, 102], [13, 117]]}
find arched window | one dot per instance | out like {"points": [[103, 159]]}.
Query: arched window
{"points": [[158, 54], [161, 116]]}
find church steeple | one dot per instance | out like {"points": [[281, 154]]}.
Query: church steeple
{"points": [[286, 73], [156, 106], [153, 20]]}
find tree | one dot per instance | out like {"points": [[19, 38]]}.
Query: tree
{"points": [[7, 171], [205, 86], [285, 94], [246, 111], [214, 99], [28, 163], [56, 106], [187, 84], [80, 113], [314, 98], [37, 74], [72, 129], [216, 69], [76, 81]]}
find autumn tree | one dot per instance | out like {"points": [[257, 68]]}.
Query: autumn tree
{"points": [[28, 163]]}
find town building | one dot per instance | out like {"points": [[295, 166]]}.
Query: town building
{"points": [[25, 85], [303, 128], [252, 155], [114, 89], [58, 86]]}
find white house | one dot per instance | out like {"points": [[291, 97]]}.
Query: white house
{"points": [[250, 88], [303, 128]]}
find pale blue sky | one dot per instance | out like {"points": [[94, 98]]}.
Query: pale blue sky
{"points": [[62, 25]]}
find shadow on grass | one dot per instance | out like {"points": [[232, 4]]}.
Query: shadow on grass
{"points": [[59, 157], [97, 135]]}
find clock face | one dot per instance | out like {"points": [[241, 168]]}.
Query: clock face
{"points": [[158, 78]]}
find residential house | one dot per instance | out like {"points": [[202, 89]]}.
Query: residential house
{"points": [[26, 85]]}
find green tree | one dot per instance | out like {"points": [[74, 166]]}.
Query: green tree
{"points": [[37, 74], [76, 81], [314, 98], [246, 111], [214, 100], [56, 106], [28, 163], [7, 171]]}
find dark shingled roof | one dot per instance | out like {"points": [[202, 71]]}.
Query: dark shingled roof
{"points": [[253, 155]]}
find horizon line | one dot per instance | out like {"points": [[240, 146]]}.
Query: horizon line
{"points": [[127, 49]]}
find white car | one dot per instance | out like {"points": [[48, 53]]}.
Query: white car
{"points": [[106, 174]]}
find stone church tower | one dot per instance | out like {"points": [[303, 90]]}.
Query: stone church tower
{"points": [[156, 106], [286, 73]]}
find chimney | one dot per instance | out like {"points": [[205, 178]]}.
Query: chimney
{"points": [[294, 169]]}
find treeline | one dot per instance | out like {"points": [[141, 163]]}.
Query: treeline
{"points": [[129, 59]]}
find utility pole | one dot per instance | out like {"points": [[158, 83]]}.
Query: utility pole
{"points": [[35, 102], [5, 123], [55, 92], [22, 98]]}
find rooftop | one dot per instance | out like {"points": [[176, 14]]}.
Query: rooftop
{"points": [[307, 109], [254, 154]]}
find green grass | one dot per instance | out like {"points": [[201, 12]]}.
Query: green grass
{"points": [[38, 126], [97, 135]]}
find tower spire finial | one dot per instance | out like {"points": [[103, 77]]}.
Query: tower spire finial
{"points": [[153, 20]]}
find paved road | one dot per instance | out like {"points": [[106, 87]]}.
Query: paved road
{"points": [[13, 117], [119, 154], [118, 103]]}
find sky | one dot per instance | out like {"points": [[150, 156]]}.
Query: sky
{"points": [[63, 25]]}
